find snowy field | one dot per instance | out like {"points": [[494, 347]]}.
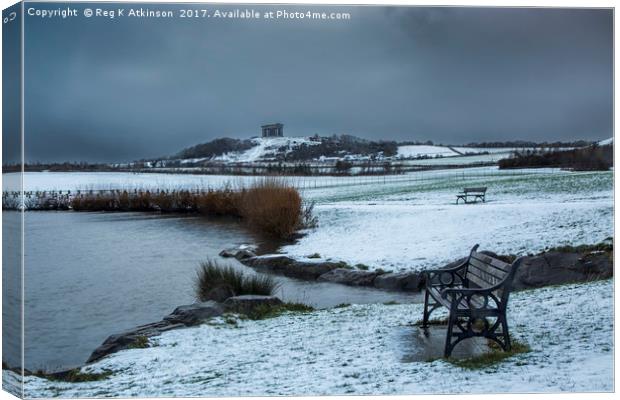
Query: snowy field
{"points": [[416, 224], [41, 181], [362, 349], [413, 151]]}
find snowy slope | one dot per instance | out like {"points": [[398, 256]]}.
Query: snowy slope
{"points": [[606, 142], [412, 151], [266, 148], [363, 349]]}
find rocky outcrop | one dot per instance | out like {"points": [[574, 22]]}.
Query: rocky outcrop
{"points": [[554, 268], [549, 268], [194, 314], [400, 281], [181, 317], [350, 277], [287, 266], [133, 338]]}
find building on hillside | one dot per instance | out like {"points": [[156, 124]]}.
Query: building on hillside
{"points": [[273, 130]]}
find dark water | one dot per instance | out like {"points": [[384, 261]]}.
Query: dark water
{"points": [[88, 275], [11, 288]]}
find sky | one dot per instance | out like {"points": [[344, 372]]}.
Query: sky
{"points": [[104, 90]]}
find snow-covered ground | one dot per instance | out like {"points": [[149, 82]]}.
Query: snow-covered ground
{"points": [[363, 349], [413, 151], [416, 224], [127, 180]]}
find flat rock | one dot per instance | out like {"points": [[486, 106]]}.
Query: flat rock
{"points": [[400, 281], [289, 267], [556, 268], [194, 314], [350, 277], [247, 303], [181, 317]]}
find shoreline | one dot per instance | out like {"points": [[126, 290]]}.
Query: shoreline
{"points": [[560, 265]]}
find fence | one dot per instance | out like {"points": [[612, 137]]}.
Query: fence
{"points": [[40, 199]]}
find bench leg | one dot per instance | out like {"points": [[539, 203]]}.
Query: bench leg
{"points": [[507, 345], [447, 351], [426, 312]]}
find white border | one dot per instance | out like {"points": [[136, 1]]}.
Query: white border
{"points": [[479, 3]]}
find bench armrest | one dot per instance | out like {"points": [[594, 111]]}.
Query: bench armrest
{"points": [[448, 277], [453, 269]]}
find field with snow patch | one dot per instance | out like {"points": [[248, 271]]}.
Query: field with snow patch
{"points": [[413, 225], [362, 349]]}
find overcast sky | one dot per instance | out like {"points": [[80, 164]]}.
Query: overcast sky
{"points": [[123, 89]]}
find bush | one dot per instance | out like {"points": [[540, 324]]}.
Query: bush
{"points": [[272, 207], [215, 282], [592, 158]]}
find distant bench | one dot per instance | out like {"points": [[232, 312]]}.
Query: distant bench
{"points": [[476, 295], [475, 192]]}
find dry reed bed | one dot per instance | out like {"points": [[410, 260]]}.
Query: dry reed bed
{"points": [[271, 206]]}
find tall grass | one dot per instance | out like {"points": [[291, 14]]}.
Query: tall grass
{"points": [[273, 207], [215, 282]]}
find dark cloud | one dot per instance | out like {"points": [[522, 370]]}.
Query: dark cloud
{"points": [[125, 89]]}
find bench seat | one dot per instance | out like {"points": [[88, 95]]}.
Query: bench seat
{"points": [[475, 192]]}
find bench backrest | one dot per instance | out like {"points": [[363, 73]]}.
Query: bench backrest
{"points": [[484, 271], [475, 190]]}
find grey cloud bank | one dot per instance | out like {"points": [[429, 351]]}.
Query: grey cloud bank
{"points": [[103, 89]]}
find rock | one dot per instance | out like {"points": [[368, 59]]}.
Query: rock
{"points": [[194, 314], [350, 277], [220, 293], [555, 268], [247, 303], [227, 253], [289, 267], [181, 317], [239, 252], [243, 254], [400, 281]]}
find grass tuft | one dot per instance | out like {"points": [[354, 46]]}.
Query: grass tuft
{"points": [[495, 356], [266, 311], [215, 282], [141, 342]]}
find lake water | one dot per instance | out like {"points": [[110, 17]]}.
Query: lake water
{"points": [[89, 275]]}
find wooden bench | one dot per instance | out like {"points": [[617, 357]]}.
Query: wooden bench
{"points": [[476, 293], [475, 192]]}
